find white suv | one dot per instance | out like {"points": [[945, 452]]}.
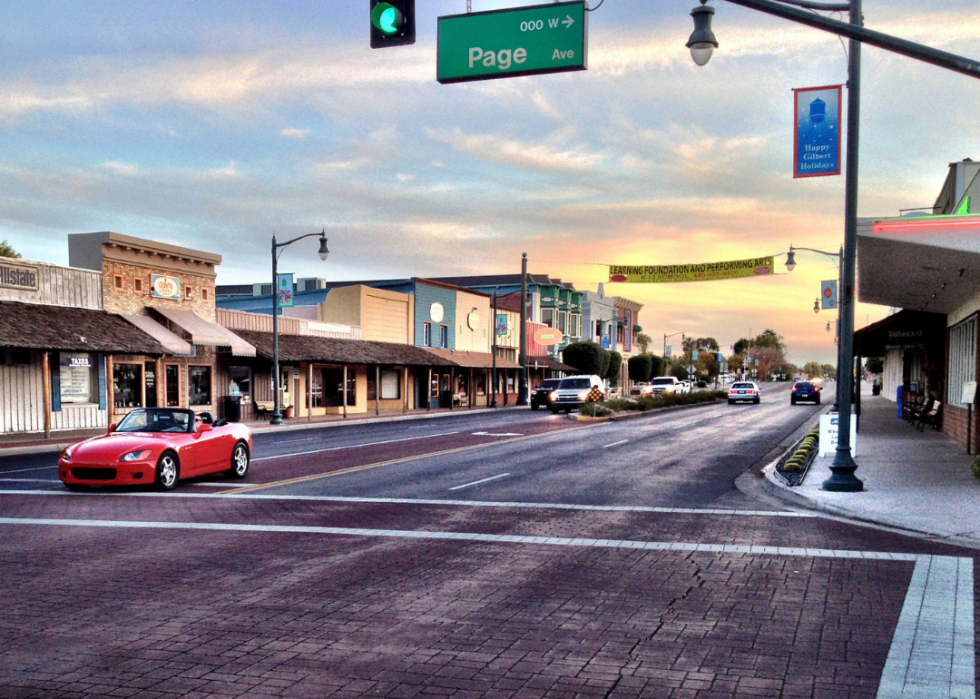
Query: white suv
{"points": [[573, 392], [666, 385]]}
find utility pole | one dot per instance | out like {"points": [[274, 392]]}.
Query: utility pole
{"points": [[522, 385]]}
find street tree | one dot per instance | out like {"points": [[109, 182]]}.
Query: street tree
{"points": [[829, 371], [7, 251], [813, 370], [586, 357], [615, 368], [876, 365], [641, 367], [643, 341]]}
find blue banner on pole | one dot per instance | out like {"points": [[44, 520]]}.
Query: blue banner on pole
{"points": [[828, 294], [816, 137]]}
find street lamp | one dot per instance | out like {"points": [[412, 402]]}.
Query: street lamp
{"points": [[702, 42], [276, 251], [843, 467], [816, 305]]}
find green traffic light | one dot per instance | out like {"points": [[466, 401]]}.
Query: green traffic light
{"points": [[387, 18]]}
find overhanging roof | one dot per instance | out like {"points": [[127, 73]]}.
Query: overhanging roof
{"points": [[903, 329], [44, 327], [472, 360], [923, 263], [331, 350]]}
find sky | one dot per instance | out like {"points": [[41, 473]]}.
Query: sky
{"points": [[212, 124]]}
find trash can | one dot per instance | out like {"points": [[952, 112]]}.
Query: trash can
{"points": [[233, 409]]}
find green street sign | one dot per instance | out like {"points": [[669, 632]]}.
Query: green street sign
{"points": [[517, 41]]}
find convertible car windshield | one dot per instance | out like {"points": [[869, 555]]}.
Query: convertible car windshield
{"points": [[157, 420]]}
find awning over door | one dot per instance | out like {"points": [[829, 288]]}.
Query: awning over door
{"points": [[171, 342], [204, 332]]}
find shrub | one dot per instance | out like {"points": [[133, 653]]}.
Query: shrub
{"points": [[792, 467], [586, 357], [640, 367], [595, 410], [615, 368]]}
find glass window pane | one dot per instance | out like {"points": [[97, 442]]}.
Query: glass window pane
{"points": [[127, 385], [390, 384], [199, 378], [79, 377]]}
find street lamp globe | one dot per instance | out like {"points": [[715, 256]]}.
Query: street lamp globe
{"points": [[323, 245], [790, 261], [702, 42], [816, 305]]}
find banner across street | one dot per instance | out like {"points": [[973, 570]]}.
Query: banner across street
{"points": [[702, 272]]}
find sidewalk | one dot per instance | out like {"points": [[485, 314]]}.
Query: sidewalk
{"points": [[31, 444], [919, 481]]}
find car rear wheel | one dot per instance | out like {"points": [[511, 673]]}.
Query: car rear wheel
{"points": [[168, 471], [756, 401], [731, 402], [792, 400], [239, 461]]}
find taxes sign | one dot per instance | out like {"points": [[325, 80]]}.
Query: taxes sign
{"points": [[507, 43]]}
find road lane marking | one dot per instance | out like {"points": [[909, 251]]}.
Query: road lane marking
{"points": [[238, 495], [214, 485], [355, 446], [484, 480], [404, 459], [29, 480], [498, 434], [615, 444], [24, 470]]}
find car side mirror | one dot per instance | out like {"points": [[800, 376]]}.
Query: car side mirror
{"points": [[112, 427], [204, 427]]}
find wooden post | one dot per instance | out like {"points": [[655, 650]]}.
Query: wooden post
{"points": [[46, 383], [405, 389], [110, 388], [158, 384], [452, 386], [428, 387], [470, 392], [309, 393], [345, 390], [377, 389]]}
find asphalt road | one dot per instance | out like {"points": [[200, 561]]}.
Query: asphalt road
{"points": [[514, 554]]}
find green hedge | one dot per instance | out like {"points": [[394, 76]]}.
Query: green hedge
{"points": [[650, 403]]}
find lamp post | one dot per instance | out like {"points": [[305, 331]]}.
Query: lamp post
{"points": [[665, 346], [276, 251], [838, 257], [703, 42]]}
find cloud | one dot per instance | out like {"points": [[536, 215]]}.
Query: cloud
{"points": [[550, 157], [295, 134]]}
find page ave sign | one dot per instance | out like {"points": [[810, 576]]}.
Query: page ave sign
{"points": [[518, 41]]}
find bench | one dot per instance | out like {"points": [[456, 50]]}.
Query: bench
{"points": [[264, 406], [912, 407], [932, 416]]}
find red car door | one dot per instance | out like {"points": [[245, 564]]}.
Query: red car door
{"points": [[210, 449]]}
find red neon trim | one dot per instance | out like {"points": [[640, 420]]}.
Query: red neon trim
{"points": [[909, 226]]}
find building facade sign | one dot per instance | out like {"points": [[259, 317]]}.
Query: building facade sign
{"points": [[18, 276], [165, 287]]}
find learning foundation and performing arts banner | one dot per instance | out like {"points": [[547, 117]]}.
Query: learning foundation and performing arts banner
{"points": [[816, 137], [704, 272]]}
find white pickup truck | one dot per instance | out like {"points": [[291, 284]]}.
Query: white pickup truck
{"points": [[663, 385]]}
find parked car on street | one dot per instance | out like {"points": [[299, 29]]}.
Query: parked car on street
{"points": [[744, 390], [573, 392], [539, 396], [804, 390], [666, 385], [157, 446]]}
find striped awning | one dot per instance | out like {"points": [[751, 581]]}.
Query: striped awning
{"points": [[171, 342], [204, 332]]}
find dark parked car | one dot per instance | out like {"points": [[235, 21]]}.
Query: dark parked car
{"points": [[804, 390], [539, 396]]}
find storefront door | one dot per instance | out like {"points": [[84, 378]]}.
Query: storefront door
{"points": [[150, 378]]}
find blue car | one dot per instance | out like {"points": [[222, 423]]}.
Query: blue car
{"points": [[804, 390]]}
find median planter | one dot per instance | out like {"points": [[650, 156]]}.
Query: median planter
{"points": [[795, 463]]}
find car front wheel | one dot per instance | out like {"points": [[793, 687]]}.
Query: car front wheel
{"points": [[239, 461], [168, 472], [534, 406]]}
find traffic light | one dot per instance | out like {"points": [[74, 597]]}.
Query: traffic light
{"points": [[392, 23]]}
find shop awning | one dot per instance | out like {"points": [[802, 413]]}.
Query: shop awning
{"points": [[204, 332], [331, 350], [171, 342], [42, 327], [472, 360], [921, 263], [899, 331]]}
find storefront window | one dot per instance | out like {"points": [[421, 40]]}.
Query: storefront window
{"points": [[481, 386], [427, 334], [435, 385], [390, 384], [127, 385], [79, 378], [444, 336], [240, 383], [962, 359], [548, 317], [172, 372], [199, 378]]}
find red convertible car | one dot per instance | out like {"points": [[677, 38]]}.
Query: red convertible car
{"points": [[158, 446]]}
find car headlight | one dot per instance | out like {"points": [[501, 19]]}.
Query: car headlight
{"points": [[553, 396], [583, 395], [135, 455], [66, 454]]}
